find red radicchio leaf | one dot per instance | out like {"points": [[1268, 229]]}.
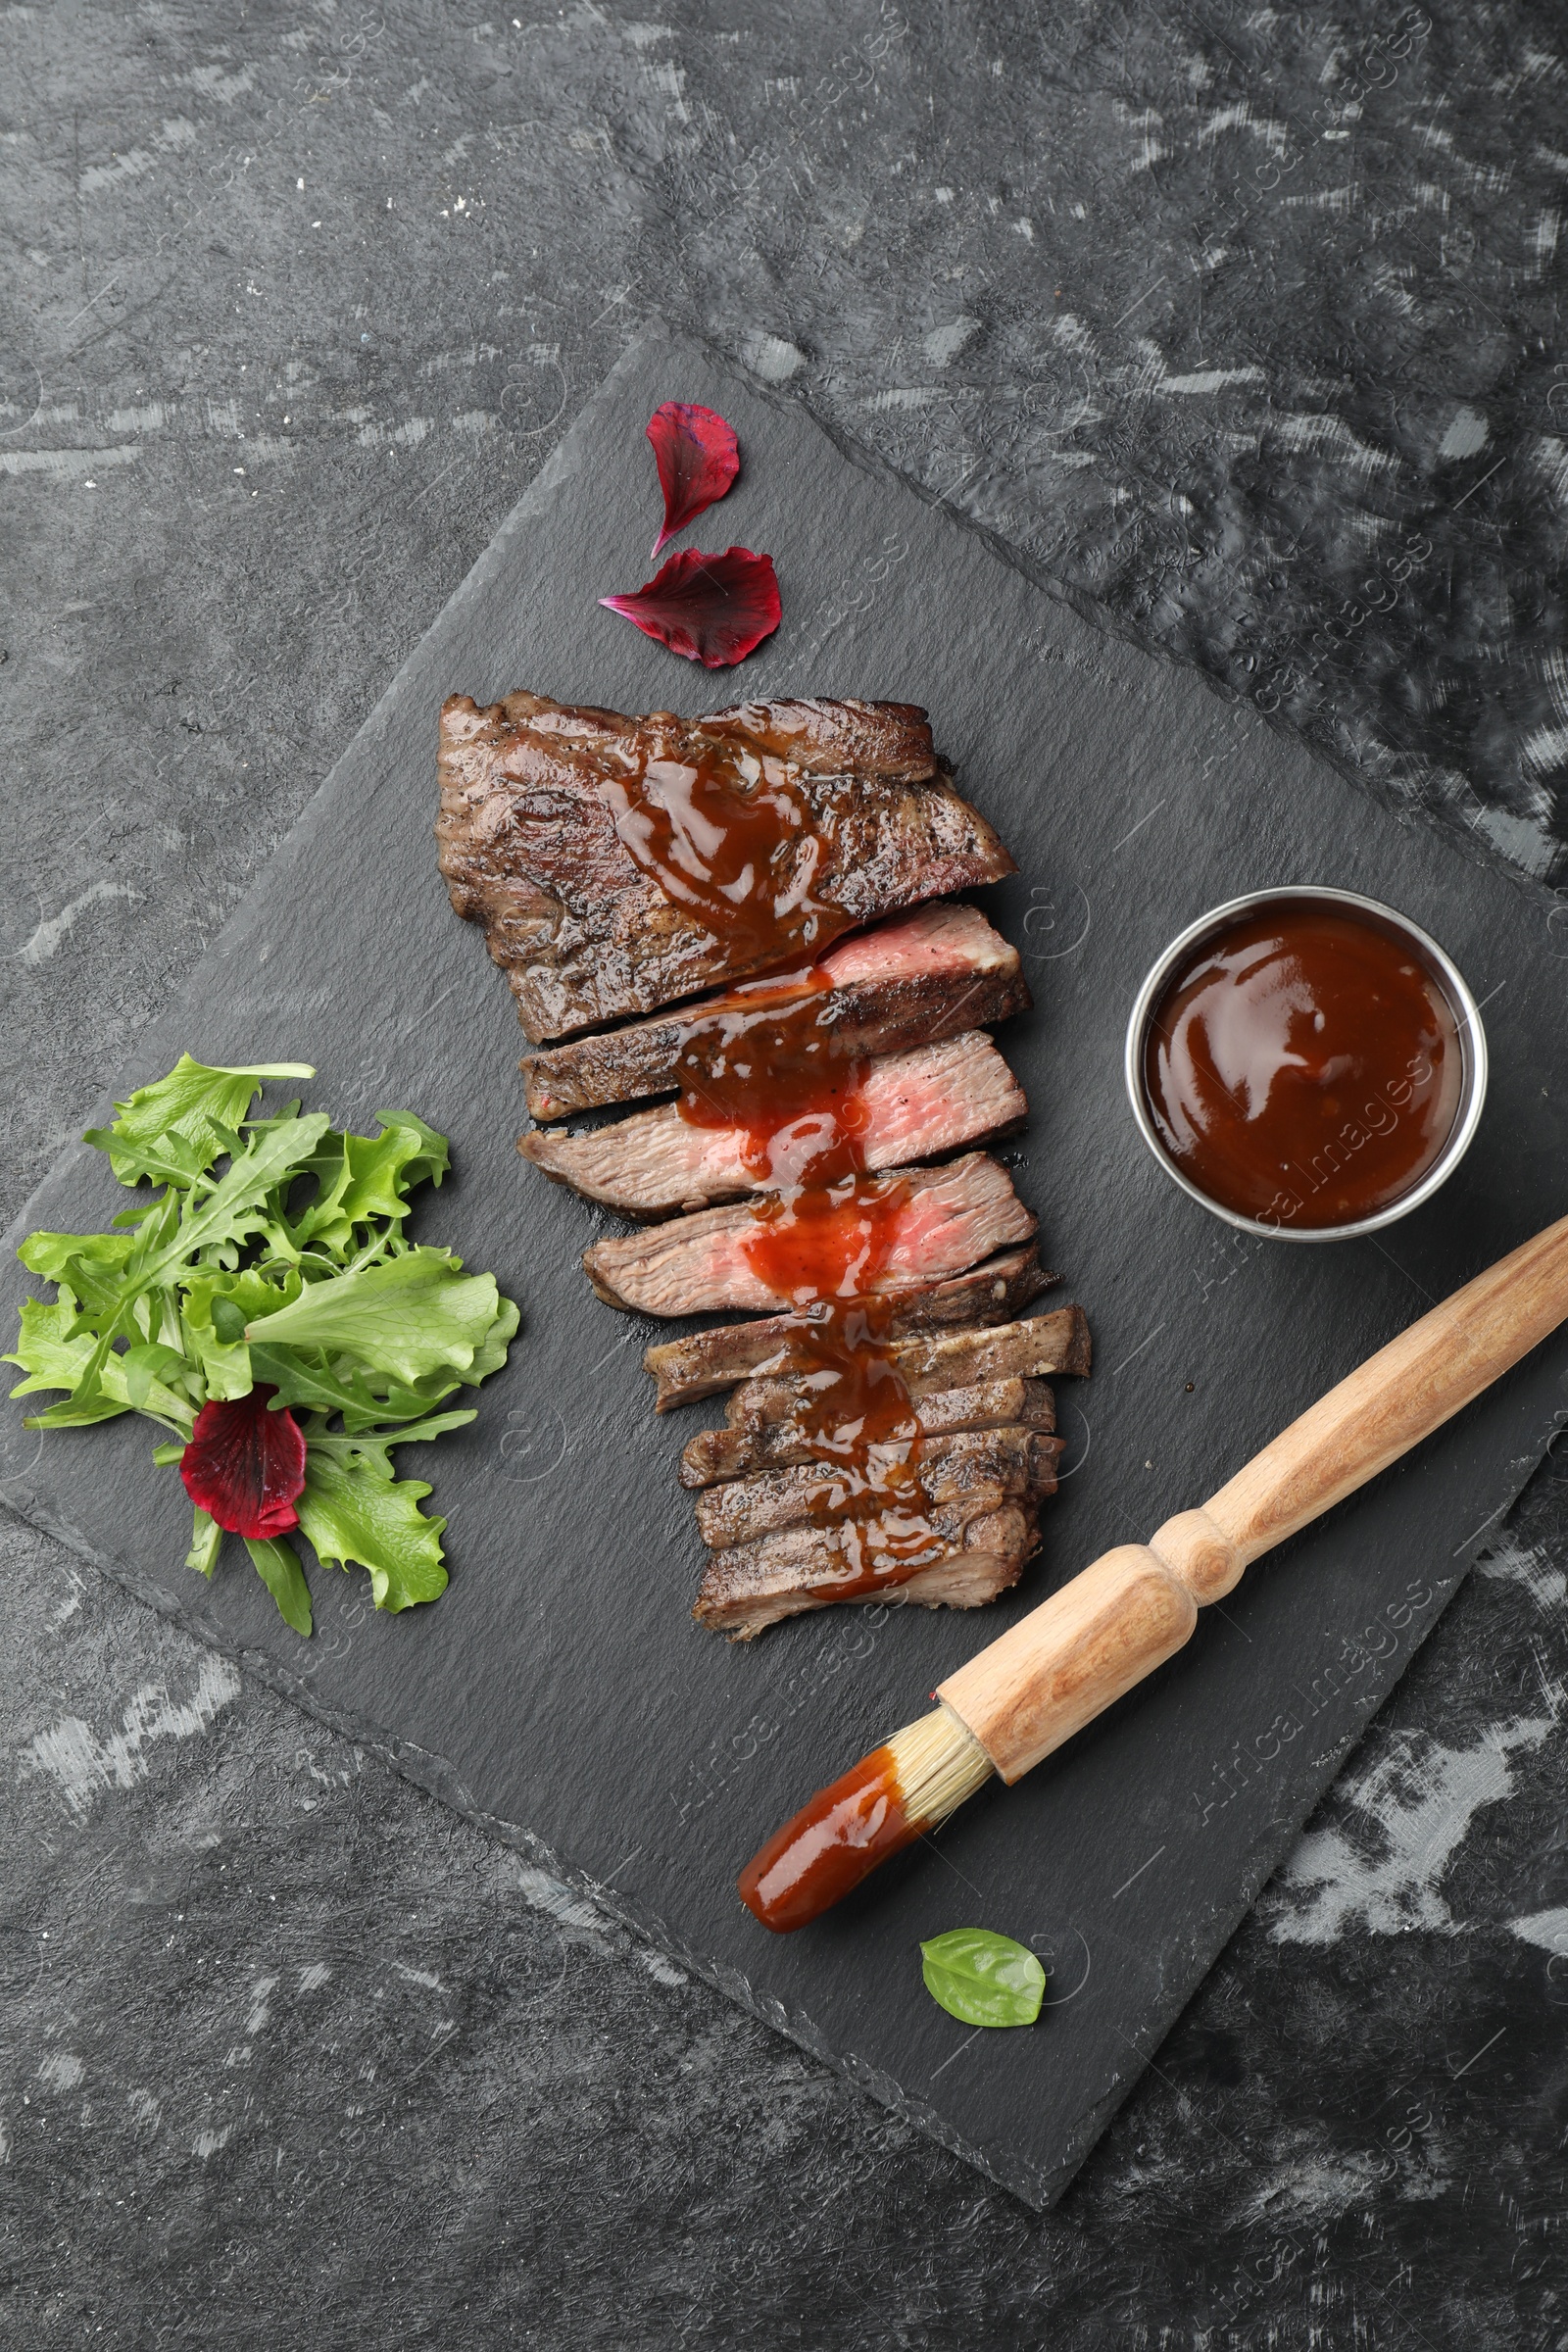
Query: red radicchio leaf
{"points": [[244, 1465], [710, 609], [697, 459]]}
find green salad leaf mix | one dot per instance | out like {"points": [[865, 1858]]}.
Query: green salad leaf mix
{"points": [[264, 1306]]}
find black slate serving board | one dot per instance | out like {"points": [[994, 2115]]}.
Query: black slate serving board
{"points": [[559, 1693]]}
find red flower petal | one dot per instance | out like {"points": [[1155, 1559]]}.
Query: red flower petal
{"points": [[245, 1465], [710, 609], [697, 459]]}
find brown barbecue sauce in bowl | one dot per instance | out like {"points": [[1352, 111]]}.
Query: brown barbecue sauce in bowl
{"points": [[1306, 1063]]}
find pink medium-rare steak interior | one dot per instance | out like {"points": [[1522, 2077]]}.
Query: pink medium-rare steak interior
{"points": [[952, 1218], [911, 1106]]}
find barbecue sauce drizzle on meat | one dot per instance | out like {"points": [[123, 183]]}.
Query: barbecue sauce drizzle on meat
{"points": [[794, 1092], [730, 837], [765, 1062]]}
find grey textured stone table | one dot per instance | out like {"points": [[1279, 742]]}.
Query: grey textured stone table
{"points": [[1238, 327]]}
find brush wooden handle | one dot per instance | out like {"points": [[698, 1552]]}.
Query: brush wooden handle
{"points": [[1130, 1610]]}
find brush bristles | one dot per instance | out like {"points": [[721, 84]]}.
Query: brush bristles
{"points": [[939, 1763]]}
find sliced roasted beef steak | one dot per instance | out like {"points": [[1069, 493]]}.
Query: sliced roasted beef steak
{"points": [[932, 1366], [1018, 1464], [714, 1455], [912, 981], [531, 847], [909, 1107], [755, 1584], [951, 1219], [687, 1370]]}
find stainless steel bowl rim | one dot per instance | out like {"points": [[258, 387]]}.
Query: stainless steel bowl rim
{"points": [[1467, 1015]]}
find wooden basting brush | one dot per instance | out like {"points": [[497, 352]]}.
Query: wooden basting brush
{"points": [[1133, 1608]]}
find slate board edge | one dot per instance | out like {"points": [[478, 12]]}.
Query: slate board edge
{"points": [[1429, 816], [1036, 2186], [1033, 2186], [431, 1773]]}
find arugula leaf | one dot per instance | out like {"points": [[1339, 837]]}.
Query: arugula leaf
{"points": [[409, 1316], [364, 1178], [228, 1213], [181, 1227], [373, 1445], [277, 1564], [172, 1124], [360, 1512], [53, 1357], [983, 1978], [308, 1378], [92, 1264]]}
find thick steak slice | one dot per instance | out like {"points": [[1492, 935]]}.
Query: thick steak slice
{"points": [[911, 1106], [735, 1453], [1042, 1344], [755, 1584], [1017, 1465], [687, 1370], [952, 1218], [931, 1366], [912, 981], [530, 846]]}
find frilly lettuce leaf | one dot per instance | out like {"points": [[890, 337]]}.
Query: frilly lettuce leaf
{"points": [[54, 1353], [355, 1509], [311, 1378], [92, 1264], [407, 1316], [172, 1125]]}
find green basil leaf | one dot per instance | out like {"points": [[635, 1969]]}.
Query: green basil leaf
{"points": [[277, 1564], [983, 1978]]}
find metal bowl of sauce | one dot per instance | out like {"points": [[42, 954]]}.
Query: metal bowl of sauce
{"points": [[1306, 1063]]}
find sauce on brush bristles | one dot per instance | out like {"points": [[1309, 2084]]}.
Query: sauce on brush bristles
{"points": [[884, 1803]]}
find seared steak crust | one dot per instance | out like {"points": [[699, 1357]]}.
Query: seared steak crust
{"points": [[736, 1451], [1018, 1464], [754, 1585], [913, 981], [935, 1365], [687, 1370], [529, 846]]}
